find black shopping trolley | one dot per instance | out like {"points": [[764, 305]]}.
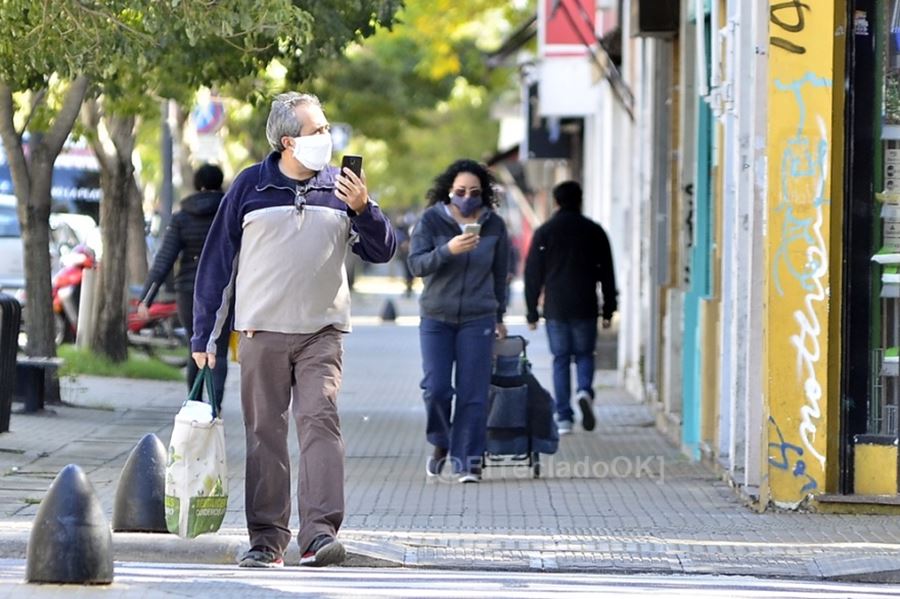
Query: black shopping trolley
{"points": [[520, 422]]}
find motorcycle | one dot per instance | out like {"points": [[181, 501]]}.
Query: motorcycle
{"points": [[159, 329], [66, 287]]}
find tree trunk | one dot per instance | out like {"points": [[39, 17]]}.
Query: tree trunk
{"points": [[117, 179], [31, 180], [34, 217], [137, 242]]}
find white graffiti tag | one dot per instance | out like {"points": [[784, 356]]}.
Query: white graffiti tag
{"points": [[804, 174]]}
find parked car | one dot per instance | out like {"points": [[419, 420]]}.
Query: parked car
{"points": [[66, 232], [12, 261]]}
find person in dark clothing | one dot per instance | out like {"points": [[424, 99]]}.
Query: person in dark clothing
{"points": [[183, 242], [403, 229], [569, 255], [460, 249]]}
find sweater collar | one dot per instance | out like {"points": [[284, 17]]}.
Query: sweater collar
{"points": [[271, 176]]}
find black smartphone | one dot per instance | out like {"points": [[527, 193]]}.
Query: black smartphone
{"points": [[353, 162]]}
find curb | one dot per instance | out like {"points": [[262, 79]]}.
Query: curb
{"points": [[219, 549], [225, 548]]}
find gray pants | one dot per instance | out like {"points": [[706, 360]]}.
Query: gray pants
{"points": [[273, 365]]}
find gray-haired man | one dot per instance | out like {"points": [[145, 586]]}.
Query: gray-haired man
{"points": [[278, 243]]}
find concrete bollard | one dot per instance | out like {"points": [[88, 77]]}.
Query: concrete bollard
{"points": [[70, 541], [389, 311], [140, 494]]}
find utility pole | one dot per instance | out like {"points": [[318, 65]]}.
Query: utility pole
{"points": [[168, 192]]}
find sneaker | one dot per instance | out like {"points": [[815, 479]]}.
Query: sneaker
{"points": [[325, 550], [586, 403], [564, 426], [473, 476], [435, 463], [261, 557]]}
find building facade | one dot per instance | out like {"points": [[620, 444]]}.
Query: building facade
{"points": [[742, 157]]}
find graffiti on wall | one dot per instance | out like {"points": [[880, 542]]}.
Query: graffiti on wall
{"points": [[802, 253], [788, 17], [799, 149], [789, 458]]}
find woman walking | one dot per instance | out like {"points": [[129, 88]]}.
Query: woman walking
{"points": [[460, 249]]}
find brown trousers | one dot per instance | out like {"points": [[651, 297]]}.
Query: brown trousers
{"points": [[273, 366]]}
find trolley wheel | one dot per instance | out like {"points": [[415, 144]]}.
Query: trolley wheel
{"points": [[536, 464]]}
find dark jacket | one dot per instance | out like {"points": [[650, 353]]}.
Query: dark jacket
{"points": [[569, 255], [185, 236], [467, 286]]}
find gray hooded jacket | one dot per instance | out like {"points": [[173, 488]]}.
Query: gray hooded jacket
{"points": [[467, 286]]}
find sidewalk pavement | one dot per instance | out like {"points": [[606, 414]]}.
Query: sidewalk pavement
{"points": [[619, 499]]}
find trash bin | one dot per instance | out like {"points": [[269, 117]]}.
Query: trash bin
{"points": [[10, 318]]}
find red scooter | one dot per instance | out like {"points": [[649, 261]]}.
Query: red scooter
{"points": [[160, 328], [67, 291]]}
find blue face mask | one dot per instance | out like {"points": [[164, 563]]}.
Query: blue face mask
{"points": [[467, 205]]}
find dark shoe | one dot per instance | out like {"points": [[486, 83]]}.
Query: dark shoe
{"points": [[586, 403], [261, 557], [435, 463], [323, 551]]}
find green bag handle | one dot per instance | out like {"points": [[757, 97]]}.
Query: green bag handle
{"points": [[205, 376]]}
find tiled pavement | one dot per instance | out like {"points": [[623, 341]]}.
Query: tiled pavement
{"points": [[618, 499]]}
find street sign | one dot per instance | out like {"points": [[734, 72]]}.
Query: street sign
{"points": [[208, 116]]}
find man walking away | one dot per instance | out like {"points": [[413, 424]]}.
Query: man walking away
{"points": [[569, 255]]}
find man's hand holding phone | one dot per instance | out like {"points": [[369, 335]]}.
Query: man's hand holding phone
{"points": [[350, 186]]}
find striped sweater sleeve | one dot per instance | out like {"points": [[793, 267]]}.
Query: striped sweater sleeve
{"points": [[214, 285]]}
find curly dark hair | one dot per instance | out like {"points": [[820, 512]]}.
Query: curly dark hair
{"points": [[440, 192]]}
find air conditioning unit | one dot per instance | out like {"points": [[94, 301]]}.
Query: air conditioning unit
{"points": [[654, 18]]}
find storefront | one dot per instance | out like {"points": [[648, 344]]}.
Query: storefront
{"points": [[870, 382]]}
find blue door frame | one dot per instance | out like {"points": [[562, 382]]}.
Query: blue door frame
{"points": [[699, 288]]}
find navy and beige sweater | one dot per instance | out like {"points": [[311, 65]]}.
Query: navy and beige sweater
{"points": [[278, 245]]}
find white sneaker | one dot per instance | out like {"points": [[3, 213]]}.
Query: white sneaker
{"points": [[565, 427], [470, 477]]}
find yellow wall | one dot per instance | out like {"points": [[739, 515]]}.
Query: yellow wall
{"points": [[798, 247], [875, 469]]}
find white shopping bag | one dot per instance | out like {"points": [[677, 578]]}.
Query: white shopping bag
{"points": [[196, 472]]}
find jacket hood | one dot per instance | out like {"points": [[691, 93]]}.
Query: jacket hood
{"points": [[203, 203]]}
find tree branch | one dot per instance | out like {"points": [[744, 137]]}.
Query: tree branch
{"points": [[90, 115], [36, 101], [12, 143], [65, 118], [122, 134]]}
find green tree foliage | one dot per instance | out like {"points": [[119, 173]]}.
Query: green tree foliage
{"points": [[418, 95], [132, 53]]}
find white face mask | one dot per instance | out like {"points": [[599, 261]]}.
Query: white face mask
{"points": [[313, 151]]}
